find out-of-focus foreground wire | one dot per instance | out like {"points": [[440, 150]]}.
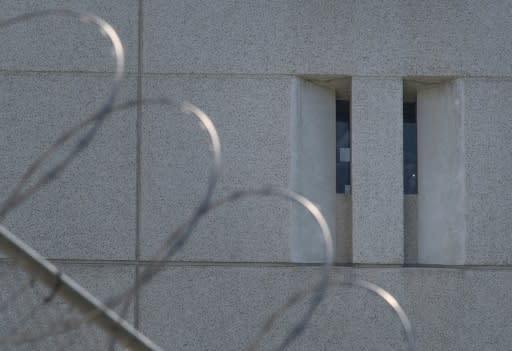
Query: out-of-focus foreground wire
{"points": [[59, 284], [390, 300], [393, 303]]}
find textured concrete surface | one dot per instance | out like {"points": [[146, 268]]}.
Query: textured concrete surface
{"points": [[488, 160], [238, 61], [443, 305], [89, 212], [66, 44], [99, 279], [252, 116], [411, 228], [313, 173], [437, 306], [377, 178], [343, 228], [487, 310], [464, 173], [329, 37], [441, 171], [241, 298]]}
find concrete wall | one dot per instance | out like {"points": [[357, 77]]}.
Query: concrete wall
{"points": [[464, 171], [488, 179], [175, 159], [312, 172], [245, 64], [452, 309], [393, 37], [377, 170], [343, 228], [441, 199]]}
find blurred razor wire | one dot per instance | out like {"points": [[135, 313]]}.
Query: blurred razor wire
{"points": [[45, 309]]}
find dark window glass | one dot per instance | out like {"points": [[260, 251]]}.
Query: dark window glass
{"points": [[342, 147], [410, 150]]}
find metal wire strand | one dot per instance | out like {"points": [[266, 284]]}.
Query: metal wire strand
{"points": [[298, 296], [393, 303]]}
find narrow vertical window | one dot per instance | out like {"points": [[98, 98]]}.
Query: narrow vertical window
{"points": [[410, 149], [342, 147]]}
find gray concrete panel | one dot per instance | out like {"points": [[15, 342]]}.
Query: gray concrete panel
{"points": [[313, 172], [252, 116], [101, 280], [487, 310], [329, 37], [441, 169], [377, 163], [65, 44], [222, 307], [343, 228], [488, 162], [411, 228], [97, 278], [88, 212], [437, 304], [433, 300]]}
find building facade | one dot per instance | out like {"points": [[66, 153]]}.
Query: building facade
{"points": [[270, 73]]}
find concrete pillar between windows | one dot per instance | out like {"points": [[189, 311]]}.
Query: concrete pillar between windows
{"points": [[441, 190], [313, 168], [377, 170]]}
